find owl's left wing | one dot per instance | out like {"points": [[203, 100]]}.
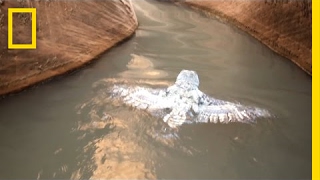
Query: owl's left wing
{"points": [[230, 113], [219, 111]]}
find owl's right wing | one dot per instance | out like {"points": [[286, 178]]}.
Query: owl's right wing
{"points": [[140, 97]]}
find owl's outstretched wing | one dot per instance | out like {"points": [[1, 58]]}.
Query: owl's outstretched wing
{"points": [[219, 111], [230, 113], [140, 97]]}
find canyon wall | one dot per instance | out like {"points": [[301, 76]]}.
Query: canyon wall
{"points": [[282, 25], [69, 35]]}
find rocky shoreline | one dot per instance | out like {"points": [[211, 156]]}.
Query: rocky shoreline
{"points": [[69, 35], [283, 26]]}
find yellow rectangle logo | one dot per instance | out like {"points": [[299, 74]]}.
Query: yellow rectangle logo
{"points": [[33, 44]]}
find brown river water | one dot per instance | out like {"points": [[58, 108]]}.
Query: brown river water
{"points": [[58, 130]]}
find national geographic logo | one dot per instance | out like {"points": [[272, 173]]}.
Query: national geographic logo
{"points": [[33, 44]]}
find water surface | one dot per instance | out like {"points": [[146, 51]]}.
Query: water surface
{"points": [[60, 129]]}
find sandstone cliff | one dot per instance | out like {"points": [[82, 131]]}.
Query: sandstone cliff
{"points": [[69, 34], [282, 25]]}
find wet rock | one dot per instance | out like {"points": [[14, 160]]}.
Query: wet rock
{"points": [[69, 35], [284, 26]]}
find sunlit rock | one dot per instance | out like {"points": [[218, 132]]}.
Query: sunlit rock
{"points": [[69, 34]]}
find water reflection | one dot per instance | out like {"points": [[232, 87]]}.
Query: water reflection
{"points": [[116, 154], [126, 149], [121, 143], [142, 67]]}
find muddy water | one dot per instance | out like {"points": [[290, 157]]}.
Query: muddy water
{"points": [[64, 129]]}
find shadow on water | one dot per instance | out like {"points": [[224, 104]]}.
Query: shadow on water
{"points": [[67, 128]]}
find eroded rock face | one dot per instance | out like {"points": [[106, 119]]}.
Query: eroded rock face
{"points": [[69, 34], [284, 26]]}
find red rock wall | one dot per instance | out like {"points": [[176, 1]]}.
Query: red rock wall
{"points": [[69, 34], [282, 25]]}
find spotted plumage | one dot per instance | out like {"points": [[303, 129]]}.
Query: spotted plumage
{"points": [[183, 102]]}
